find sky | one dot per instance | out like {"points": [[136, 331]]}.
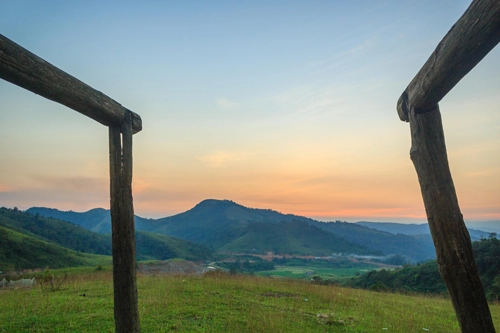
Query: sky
{"points": [[283, 105]]}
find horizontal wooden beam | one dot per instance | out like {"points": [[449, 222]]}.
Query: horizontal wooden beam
{"points": [[25, 69], [475, 34]]}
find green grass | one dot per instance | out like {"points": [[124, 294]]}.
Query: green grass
{"points": [[308, 271], [220, 302]]}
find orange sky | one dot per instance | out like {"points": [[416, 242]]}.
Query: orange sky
{"points": [[286, 110]]}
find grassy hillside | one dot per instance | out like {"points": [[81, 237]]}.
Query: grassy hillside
{"points": [[56, 231], [294, 237], [19, 251], [67, 235], [151, 246], [225, 303]]}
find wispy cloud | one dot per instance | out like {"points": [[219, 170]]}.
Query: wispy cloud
{"points": [[316, 100], [5, 188], [344, 59], [223, 158], [226, 104], [71, 183]]}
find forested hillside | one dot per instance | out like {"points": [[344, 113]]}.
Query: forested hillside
{"points": [[33, 241], [425, 277], [294, 237], [20, 251]]}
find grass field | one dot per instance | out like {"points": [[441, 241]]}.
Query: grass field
{"points": [[307, 272], [219, 302]]}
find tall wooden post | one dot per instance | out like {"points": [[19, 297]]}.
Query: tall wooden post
{"points": [[23, 68], [469, 40], [122, 225], [451, 238]]}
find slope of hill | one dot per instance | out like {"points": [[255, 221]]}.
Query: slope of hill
{"points": [[64, 234], [59, 232], [151, 246], [19, 251], [397, 228], [294, 237]]}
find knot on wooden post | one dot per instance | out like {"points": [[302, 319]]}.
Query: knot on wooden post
{"points": [[402, 107]]}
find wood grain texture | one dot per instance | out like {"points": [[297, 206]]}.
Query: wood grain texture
{"points": [[25, 69], [123, 230], [475, 34], [451, 238]]}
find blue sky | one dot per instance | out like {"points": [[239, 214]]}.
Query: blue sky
{"points": [[288, 105]]}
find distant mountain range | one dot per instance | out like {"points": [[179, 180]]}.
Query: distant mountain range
{"points": [[43, 237], [226, 226], [484, 228]]}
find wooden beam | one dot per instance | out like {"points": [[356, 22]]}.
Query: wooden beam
{"points": [[25, 69], [451, 238], [123, 230], [471, 38]]}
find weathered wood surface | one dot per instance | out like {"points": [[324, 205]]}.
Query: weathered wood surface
{"points": [[25, 69], [451, 238], [474, 35], [126, 310]]}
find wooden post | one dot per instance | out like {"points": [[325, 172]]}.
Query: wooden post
{"points": [[25, 69], [123, 230], [451, 238], [468, 41]]}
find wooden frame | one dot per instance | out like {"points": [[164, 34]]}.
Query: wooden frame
{"points": [[23, 68], [463, 47]]}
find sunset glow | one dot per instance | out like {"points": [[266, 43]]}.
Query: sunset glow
{"points": [[289, 106]]}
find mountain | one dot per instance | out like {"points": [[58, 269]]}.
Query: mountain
{"points": [[224, 224], [423, 229], [218, 222], [486, 226], [64, 234], [96, 220], [415, 249]]}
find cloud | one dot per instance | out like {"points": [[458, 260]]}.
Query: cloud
{"points": [[75, 193], [310, 100], [223, 158], [5, 188], [226, 104], [77, 184]]}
